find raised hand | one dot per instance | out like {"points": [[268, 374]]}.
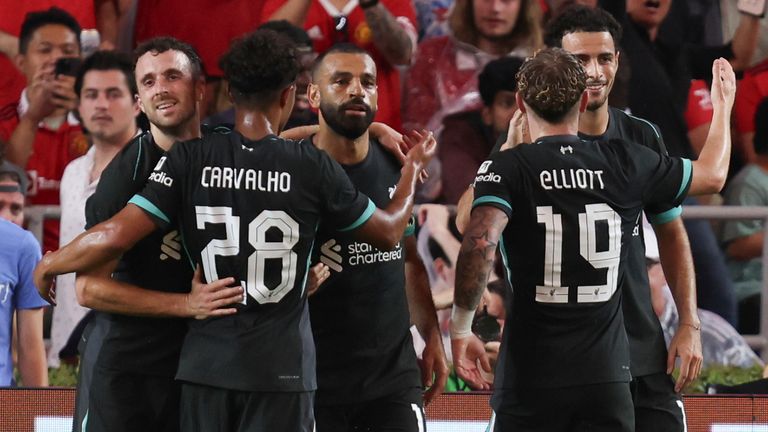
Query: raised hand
{"points": [[422, 144], [723, 84]]}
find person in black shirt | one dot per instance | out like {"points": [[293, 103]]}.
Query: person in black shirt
{"points": [[129, 352], [255, 368], [367, 371], [565, 206]]}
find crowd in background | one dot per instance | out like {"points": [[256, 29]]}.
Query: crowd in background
{"points": [[447, 66]]}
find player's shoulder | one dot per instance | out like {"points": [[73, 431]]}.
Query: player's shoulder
{"points": [[635, 128]]}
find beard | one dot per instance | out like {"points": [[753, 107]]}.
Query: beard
{"points": [[350, 127]]}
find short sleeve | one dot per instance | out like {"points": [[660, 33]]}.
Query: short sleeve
{"points": [[346, 208], [665, 181], [493, 181], [161, 197], [26, 295]]}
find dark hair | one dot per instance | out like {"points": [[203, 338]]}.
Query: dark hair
{"points": [[35, 20], [499, 288], [341, 48], [296, 34], [107, 61], [578, 18], [496, 76], [551, 83], [166, 43], [258, 66], [761, 127]]}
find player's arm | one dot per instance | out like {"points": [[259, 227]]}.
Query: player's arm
{"points": [[385, 227], [711, 169], [676, 260], [96, 247], [473, 267], [32, 364], [424, 317], [97, 290]]}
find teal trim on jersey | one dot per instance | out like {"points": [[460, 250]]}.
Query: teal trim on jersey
{"points": [[149, 207], [504, 258], [409, 230], [138, 158], [667, 216], [363, 217], [658, 135], [309, 256], [84, 425], [490, 199], [687, 172]]}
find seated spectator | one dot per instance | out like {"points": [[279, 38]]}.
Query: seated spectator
{"points": [[13, 189], [743, 239], [108, 109], [43, 135], [19, 253], [481, 30], [384, 28], [467, 137], [720, 342]]}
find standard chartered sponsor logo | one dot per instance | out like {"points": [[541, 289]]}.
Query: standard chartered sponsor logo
{"points": [[358, 253], [329, 255], [171, 247]]}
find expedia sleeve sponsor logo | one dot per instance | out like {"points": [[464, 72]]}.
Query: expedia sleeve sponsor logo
{"points": [[162, 178], [490, 177]]}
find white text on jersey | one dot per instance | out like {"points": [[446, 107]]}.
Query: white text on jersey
{"points": [[242, 178], [571, 179]]}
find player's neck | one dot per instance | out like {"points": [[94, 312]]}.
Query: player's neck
{"points": [[256, 124], [595, 122], [762, 161], [166, 137], [540, 128], [343, 150]]}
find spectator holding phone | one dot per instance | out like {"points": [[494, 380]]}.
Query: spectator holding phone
{"points": [[43, 135]]}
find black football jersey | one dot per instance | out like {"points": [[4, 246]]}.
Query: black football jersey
{"points": [[648, 350], [360, 317], [140, 344], [250, 210], [572, 206]]}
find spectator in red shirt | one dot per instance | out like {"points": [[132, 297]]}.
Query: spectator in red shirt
{"points": [[43, 136], [752, 89], [384, 28]]}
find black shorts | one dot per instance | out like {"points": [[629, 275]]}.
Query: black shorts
{"points": [[212, 409], [88, 347], [657, 407], [126, 401], [594, 408], [400, 412]]}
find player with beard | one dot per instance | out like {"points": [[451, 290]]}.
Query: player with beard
{"points": [[367, 371], [253, 370], [568, 207], [129, 355]]}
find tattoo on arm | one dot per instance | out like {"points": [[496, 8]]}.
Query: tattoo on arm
{"points": [[476, 256], [388, 35]]}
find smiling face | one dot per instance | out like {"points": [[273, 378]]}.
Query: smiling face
{"points": [[168, 90], [648, 13], [597, 54], [107, 107], [345, 93]]}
